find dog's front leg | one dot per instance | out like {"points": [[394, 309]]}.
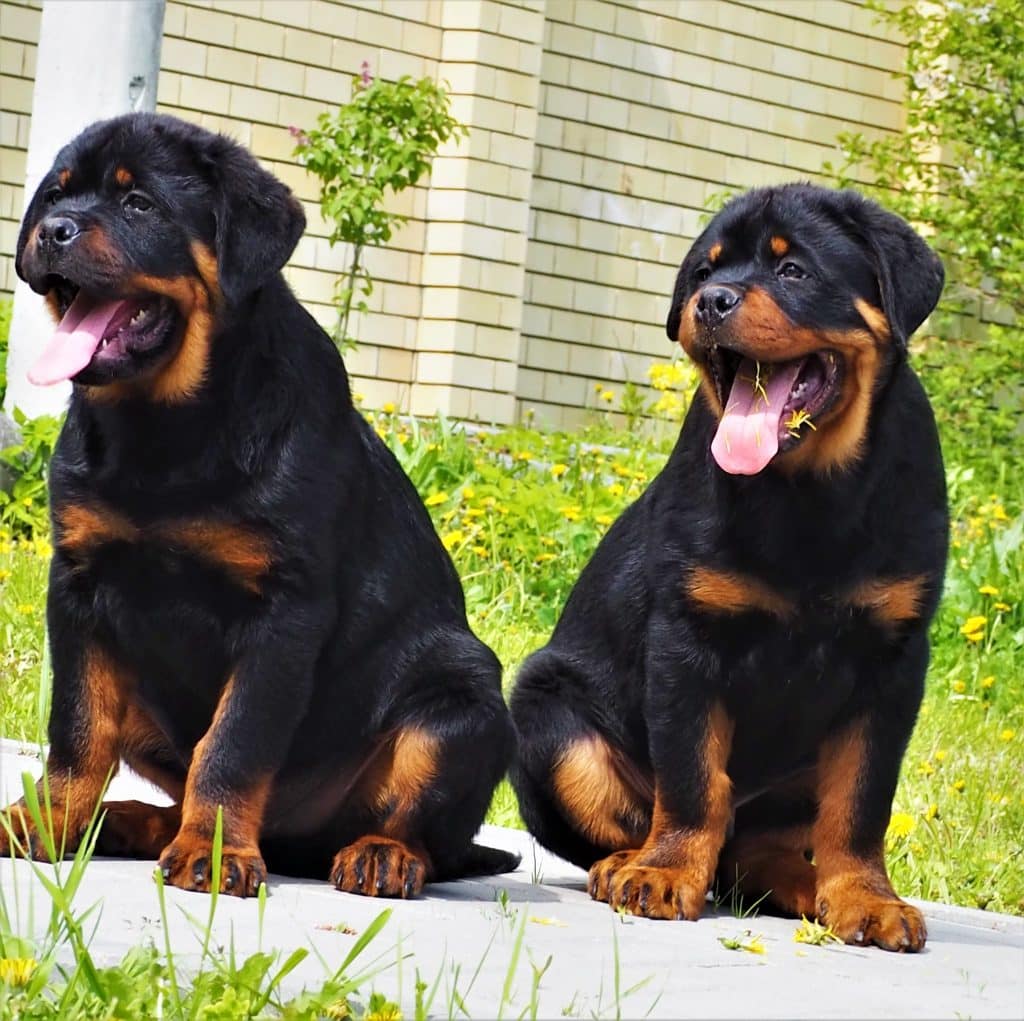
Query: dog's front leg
{"points": [[669, 876], [858, 768], [234, 763]]}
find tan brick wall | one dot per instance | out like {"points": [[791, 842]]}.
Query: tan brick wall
{"points": [[537, 262], [19, 29], [647, 109]]}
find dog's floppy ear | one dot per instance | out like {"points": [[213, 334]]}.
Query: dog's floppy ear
{"points": [[910, 274], [258, 220]]}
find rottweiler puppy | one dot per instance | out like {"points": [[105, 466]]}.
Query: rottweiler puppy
{"points": [[736, 674], [248, 602]]}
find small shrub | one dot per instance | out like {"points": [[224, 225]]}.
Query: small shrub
{"points": [[382, 141], [23, 511]]}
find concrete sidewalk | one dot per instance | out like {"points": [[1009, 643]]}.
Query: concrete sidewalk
{"points": [[973, 965]]}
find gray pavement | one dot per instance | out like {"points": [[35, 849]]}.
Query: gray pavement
{"points": [[466, 932]]}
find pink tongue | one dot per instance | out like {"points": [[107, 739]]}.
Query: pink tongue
{"points": [[71, 348], [748, 434]]}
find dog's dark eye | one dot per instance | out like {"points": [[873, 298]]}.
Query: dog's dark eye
{"points": [[137, 201], [702, 274], [791, 271]]}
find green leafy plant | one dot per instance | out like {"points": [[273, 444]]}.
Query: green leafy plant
{"points": [[23, 511], [5, 330], [379, 143], [959, 165]]}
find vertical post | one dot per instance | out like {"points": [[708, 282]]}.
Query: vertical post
{"points": [[96, 59]]}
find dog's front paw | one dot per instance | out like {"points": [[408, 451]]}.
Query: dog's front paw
{"points": [[858, 914], [187, 862], [658, 892], [599, 879], [379, 867]]}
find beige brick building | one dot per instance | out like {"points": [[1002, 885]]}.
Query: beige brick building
{"points": [[538, 259]]}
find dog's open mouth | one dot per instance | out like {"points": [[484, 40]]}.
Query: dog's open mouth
{"points": [[108, 336], [768, 406]]}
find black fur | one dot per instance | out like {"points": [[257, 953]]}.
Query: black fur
{"points": [[354, 633], [636, 663]]}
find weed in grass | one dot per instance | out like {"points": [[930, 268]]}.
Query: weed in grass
{"points": [[734, 900], [38, 983]]}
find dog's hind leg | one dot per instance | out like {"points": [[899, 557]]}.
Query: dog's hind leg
{"points": [[425, 791], [580, 794]]}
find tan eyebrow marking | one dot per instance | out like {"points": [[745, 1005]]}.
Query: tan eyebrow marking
{"points": [[716, 251], [123, 177], [63, 176], [779, 246]]}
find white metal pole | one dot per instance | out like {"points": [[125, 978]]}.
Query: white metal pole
{"points": [[96, 59]]}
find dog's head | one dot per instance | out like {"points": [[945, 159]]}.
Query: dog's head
{"points": [[796, 302], [146, 233]]}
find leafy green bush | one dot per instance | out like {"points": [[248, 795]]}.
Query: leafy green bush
{"points": [[959, 165], [5, 330], [23, 511], [383, 140]]}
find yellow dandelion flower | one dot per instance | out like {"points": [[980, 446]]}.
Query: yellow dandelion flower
{"points": [[543, 558], [607, 396], [959, 687], [926, 768], [4, 574], [16, 971], [480, 551], [598, 387], [959, 785], [403, 437], [436, 499], [940, 755], [931, 811], [1008, 734], [616, 489], [546, 540], [358, 398], [975, 636], [900, 825], [987, 682], [468, 493], [972, 624], [558, 470], [523, 455], [475, 512], [603, 519], [999, 513], [26, 608], [452, 539], [621, 470], [571, 513], [388, 408], [1001, 607], [988, 590]]}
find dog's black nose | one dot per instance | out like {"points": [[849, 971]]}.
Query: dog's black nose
{"points": [[57, 230], [716, 302]]}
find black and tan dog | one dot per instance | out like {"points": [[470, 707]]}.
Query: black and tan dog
{"points": [[248, 602], [734, 679]]}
